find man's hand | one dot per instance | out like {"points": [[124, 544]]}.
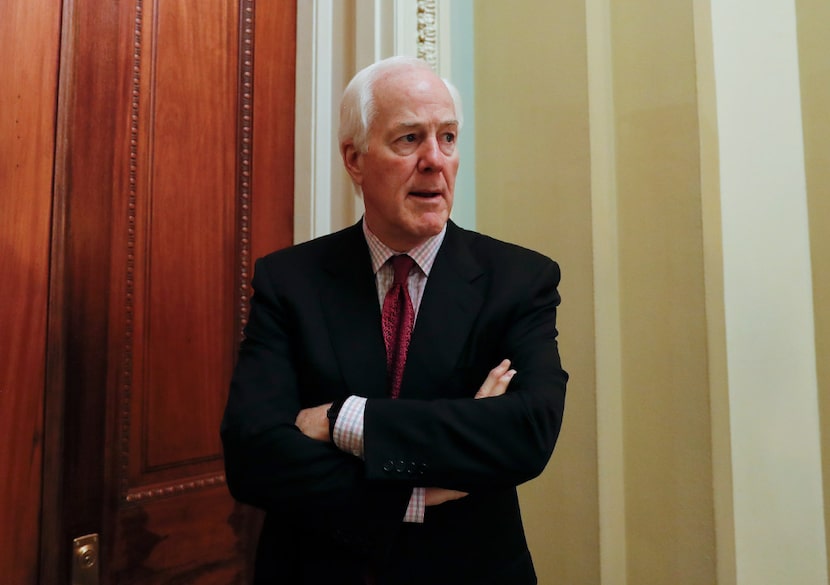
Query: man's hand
{"points": [[495, 385], [497, 381], [314, 423], [434, 496]]}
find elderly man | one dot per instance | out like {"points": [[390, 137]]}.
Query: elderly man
{"points": [[374, 413]]}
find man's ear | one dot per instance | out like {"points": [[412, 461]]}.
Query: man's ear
{"points": [[351, 160]]}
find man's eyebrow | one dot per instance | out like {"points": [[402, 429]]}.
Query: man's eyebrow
{"points": [[407, 125]]}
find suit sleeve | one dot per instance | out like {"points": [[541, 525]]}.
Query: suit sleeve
{"points": [[469, 444], [270, 464]]}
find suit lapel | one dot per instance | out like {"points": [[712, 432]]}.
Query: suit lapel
{"points": [[350, 304], [452, 300]]}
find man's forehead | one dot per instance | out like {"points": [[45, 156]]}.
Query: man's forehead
{"points": [[410, 83], [411, 98], [411, 124], [407, 73]]}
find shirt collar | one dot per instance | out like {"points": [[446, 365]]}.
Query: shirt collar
{"points": [[423, 254]]}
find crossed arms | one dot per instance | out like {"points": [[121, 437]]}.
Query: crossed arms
{"points": [[314, 423], [286, 377]]}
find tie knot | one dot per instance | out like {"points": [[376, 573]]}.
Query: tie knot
{"points": [[401, 264]]}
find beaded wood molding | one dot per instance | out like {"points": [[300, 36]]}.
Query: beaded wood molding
{"points": [[244, 161], [129, 305], [173, 489], [244, 125]]}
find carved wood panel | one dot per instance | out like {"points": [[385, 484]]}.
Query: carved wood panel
{"points": [[178, 245], [191, 105]]}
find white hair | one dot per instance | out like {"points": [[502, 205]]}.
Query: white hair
{"points": [[357, 107]]}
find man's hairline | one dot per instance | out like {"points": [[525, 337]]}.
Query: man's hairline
{"points": [[371, 110]]}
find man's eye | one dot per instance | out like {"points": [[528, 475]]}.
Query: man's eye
{"points": [[449, 137], [408, 138]]}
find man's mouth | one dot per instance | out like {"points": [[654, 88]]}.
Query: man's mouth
{"points": [[425, 194]]}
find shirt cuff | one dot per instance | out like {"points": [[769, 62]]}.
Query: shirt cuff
{"points": [[417, 506], [348, 428]]}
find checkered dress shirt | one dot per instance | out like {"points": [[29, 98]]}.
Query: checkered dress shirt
{"points": [[348, 429]]}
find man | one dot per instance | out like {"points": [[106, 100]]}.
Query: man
{"points": [[383, 459]]}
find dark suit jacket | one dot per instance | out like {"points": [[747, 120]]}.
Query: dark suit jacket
{"points": [[314, 335]]}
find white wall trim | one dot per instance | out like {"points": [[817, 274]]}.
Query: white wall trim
{"points": [[770, 340], [313, 120], [607, 319], [405, 27], [716, 357], [374, 23], [444, 48]]}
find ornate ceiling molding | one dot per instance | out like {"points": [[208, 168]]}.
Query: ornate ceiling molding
{"points": [[428, 32]]}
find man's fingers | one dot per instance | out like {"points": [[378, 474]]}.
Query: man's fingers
{"points": [[502, 383], [492, 379], [434, 496], [313, 422], [497, 381]]}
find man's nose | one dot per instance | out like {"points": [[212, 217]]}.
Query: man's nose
{"points": [[431, 159]]}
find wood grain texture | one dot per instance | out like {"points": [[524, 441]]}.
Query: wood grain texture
{"points": [[149, 541], [75, 482], [187, 247], [273, 170], [154, 208], [181, 241], [29, 43]]}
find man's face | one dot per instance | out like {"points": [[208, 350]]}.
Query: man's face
{"points": [[407, 174]]}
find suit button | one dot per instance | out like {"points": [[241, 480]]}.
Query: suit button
{"points": [[341, 536], [389, 465], [401, 467], [422, 469]]}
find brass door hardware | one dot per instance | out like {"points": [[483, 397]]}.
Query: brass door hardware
{"points": [[85, 560]]}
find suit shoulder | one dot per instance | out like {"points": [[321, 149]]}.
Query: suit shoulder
{"points": [[492, 250], [306, 254]]}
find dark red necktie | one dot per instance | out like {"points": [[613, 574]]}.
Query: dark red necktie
{"points": [[398, 317]]}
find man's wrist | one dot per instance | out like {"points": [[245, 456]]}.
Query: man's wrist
{"points": [[348, 429], [332, 413]]}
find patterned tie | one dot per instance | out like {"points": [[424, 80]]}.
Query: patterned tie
{"points": [[398, 317]]}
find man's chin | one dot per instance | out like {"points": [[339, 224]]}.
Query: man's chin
{"points": [[432, 226]]}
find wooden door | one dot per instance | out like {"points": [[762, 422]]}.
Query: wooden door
{"points": [[174, 170], [28, 80]]}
